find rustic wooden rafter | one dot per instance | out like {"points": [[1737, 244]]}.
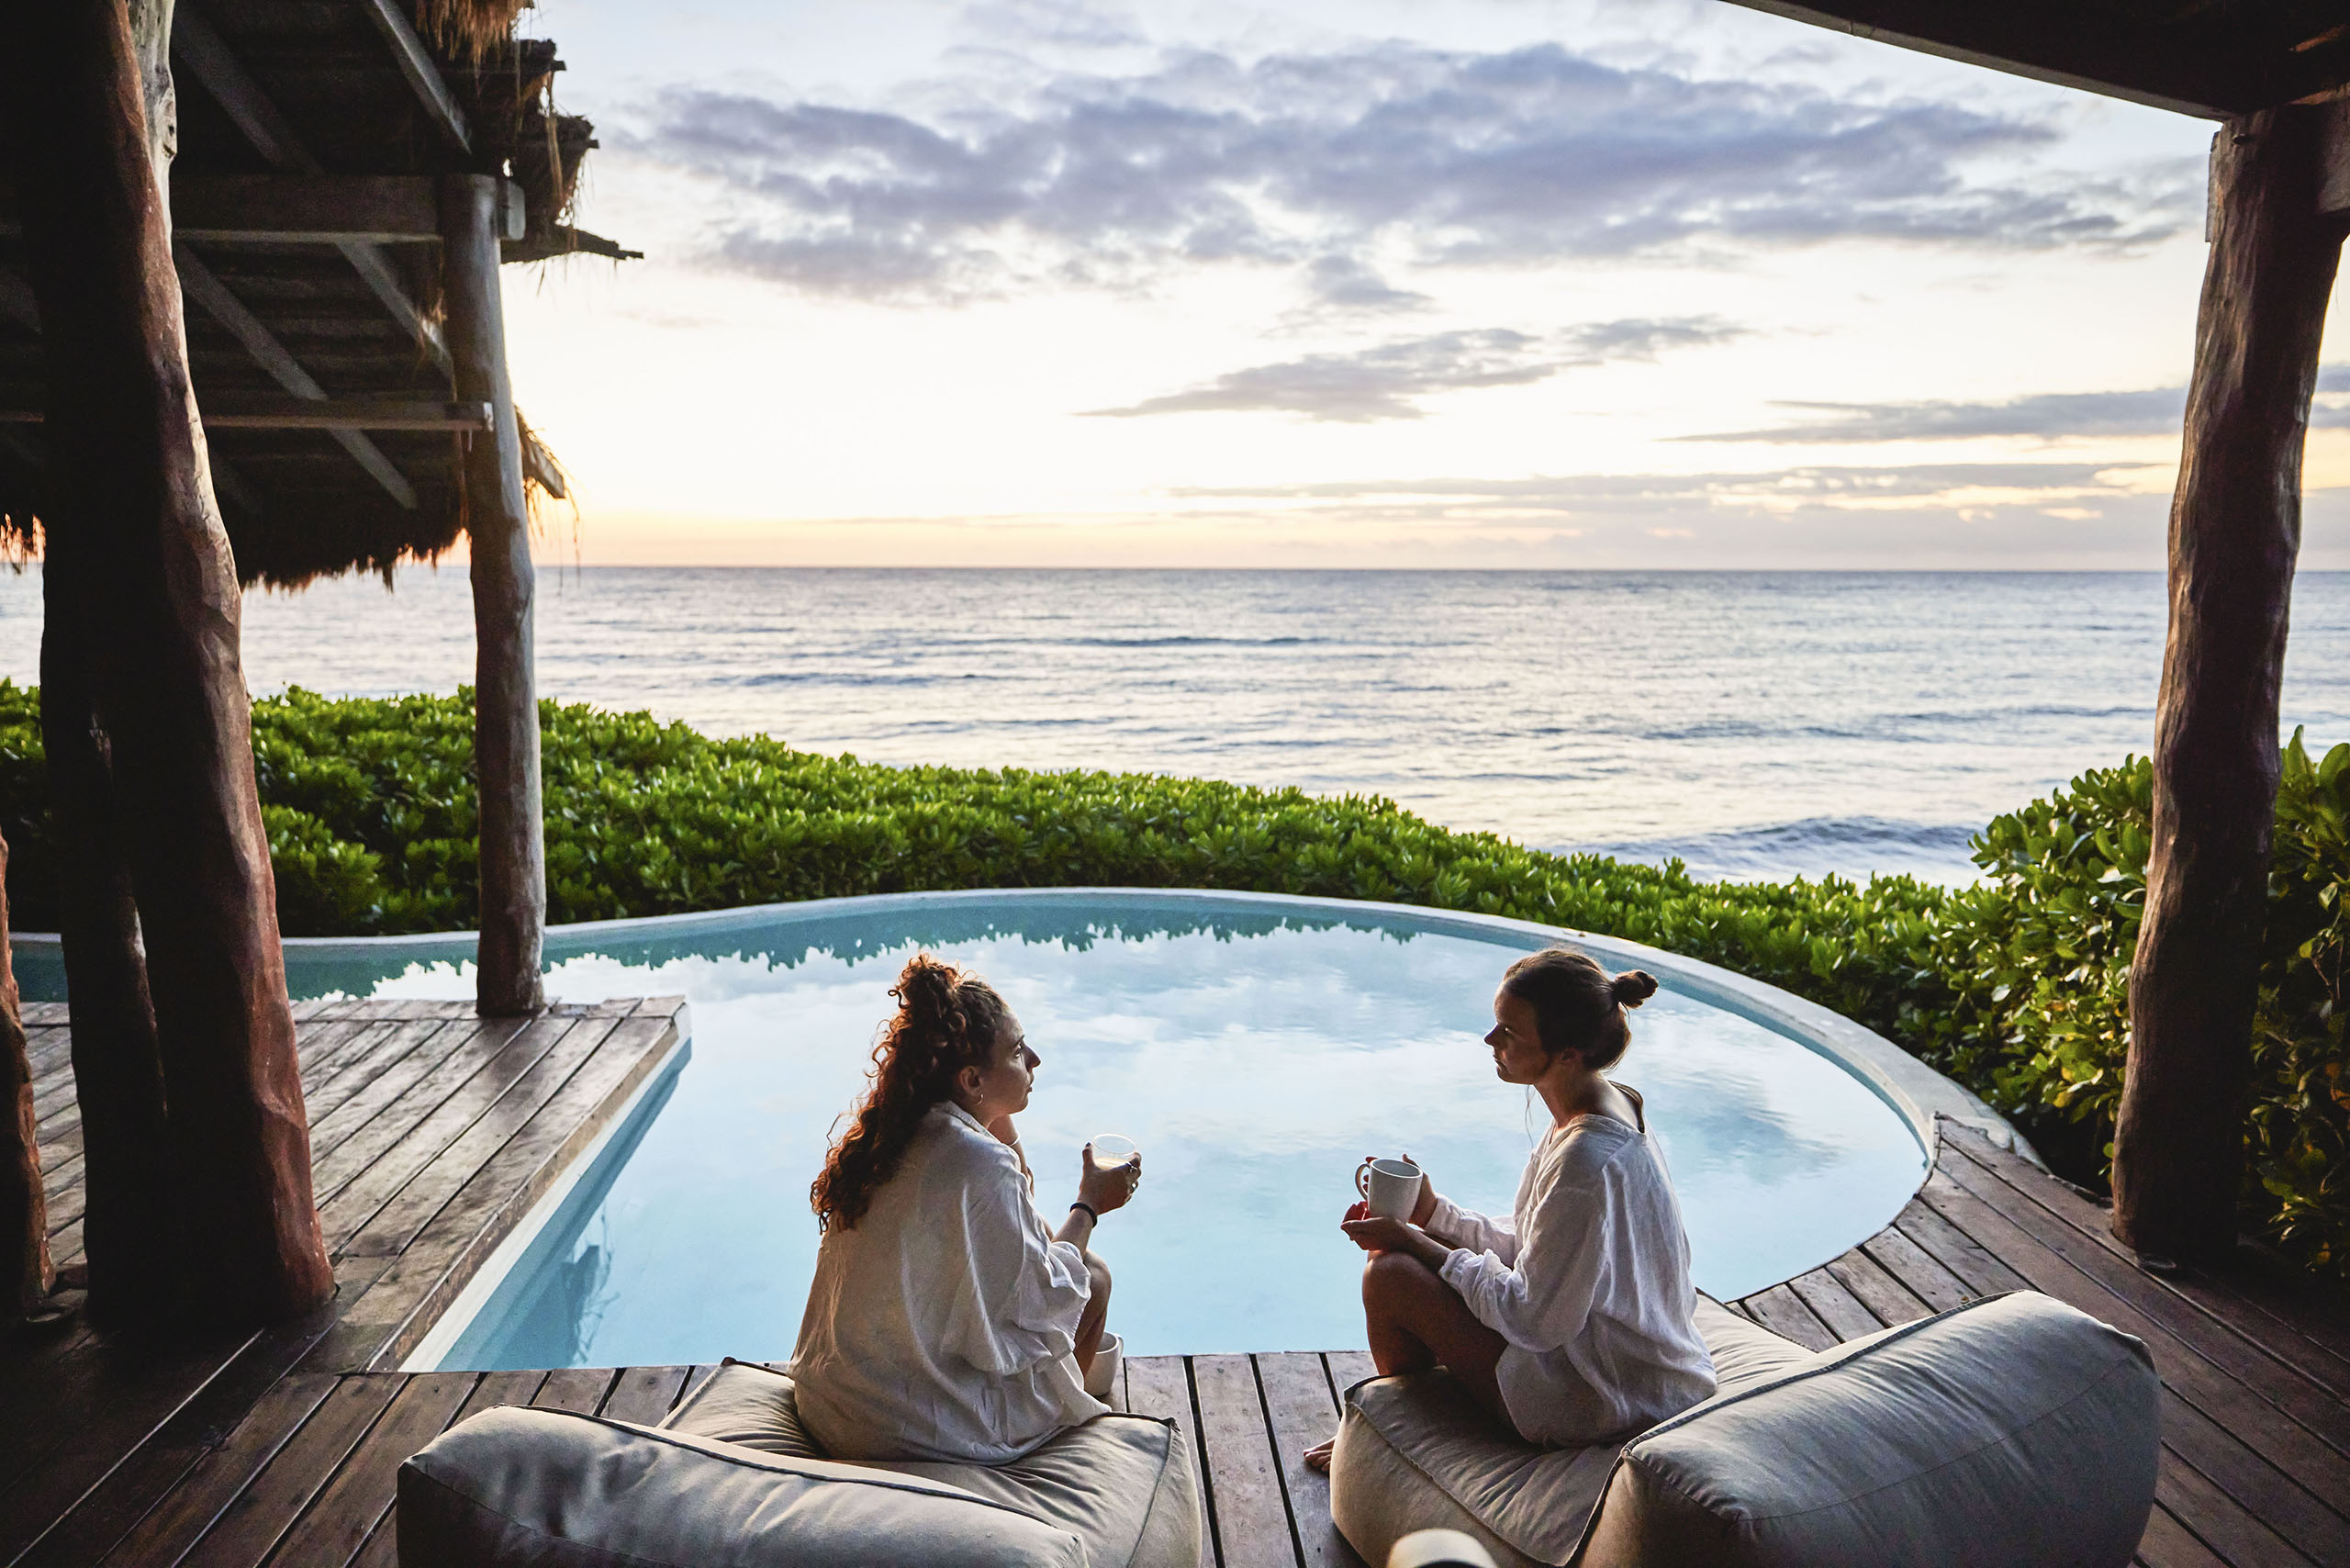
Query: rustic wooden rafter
{"points": [[207, 58], [417, 64], [235, 412], [201, 285], [17, 302]]}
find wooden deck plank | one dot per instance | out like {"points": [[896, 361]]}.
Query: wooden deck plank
{"points": [[644, 1394], [1162, 1386], [85, 1513], [123, 1391], [379, 1051], [1782, 1312], [408, 1134], [1251, 1514], [2258, 1488], [1303, 1412], [1959, 1253], [1348, 1368], [434, 1265], [2283, 1385], [2169, 1544], [330, 1531], [697, 1376], [406, 1212], [1889, 1301], [1835, 1306], [576, 1389], [2316, 1342], [2283, 1441], [2217, 1520], [250, 1525], [217, 1477]]}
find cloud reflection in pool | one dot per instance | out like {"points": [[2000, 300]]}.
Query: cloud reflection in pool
{"points": [[1255, 1058]]}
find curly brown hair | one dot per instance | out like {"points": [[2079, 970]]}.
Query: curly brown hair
{"points": [[947, 1019]]}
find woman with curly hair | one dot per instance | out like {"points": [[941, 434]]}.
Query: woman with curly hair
{"points": [[1570, 1319], [945, 1320]]}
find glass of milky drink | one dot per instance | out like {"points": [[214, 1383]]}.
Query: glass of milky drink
{"points": [[1112, 1150]]}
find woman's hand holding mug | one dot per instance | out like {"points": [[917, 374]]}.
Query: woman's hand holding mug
{"points": [[1386, 1187], [1105, 1188]]}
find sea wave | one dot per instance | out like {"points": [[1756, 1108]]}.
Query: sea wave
{"points": [[1934, 852]]}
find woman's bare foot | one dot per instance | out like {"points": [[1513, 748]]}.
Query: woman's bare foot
{"points": [[1318, 1456]]}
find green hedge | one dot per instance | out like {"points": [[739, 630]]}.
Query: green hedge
{"points": [[2014, 986]]}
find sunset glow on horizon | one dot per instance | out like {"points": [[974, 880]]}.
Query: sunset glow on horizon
{"points": [[1604, 283]]}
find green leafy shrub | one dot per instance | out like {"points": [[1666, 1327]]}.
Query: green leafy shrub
{"points": [[2015, 986]]}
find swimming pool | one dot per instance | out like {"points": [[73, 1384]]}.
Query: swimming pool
{"points": [[1257, 1048]]}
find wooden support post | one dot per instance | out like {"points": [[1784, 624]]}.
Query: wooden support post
{"points": [[2235, 526], [133, 522], [24, 1204], [129, 1227], [506, 710]]}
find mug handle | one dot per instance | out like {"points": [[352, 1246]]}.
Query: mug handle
{"points": [[1362, 1180]]}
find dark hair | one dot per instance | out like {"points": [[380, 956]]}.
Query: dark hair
{"points": [[947, 1019], [1578, 1006]]}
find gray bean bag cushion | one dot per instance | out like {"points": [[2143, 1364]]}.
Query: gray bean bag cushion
{"points": [[2010, 1430], [554, 1490], [1418, 1453], [731, 1481], [1122, 1484]]}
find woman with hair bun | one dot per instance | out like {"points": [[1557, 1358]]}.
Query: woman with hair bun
{"points": [[945, 1320], [1571, 1319]]}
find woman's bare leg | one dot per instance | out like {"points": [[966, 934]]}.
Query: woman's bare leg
{"points": [[1096, 1316], [1417, 1321]]}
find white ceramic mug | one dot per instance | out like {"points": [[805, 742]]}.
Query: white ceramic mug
{"points": [[1392, 1187]]}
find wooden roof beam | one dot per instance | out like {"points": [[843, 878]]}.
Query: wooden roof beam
{"points": [[206, 57], [423, 73], [332, 414], [2144, 63], [200, 285], [17, 302]]}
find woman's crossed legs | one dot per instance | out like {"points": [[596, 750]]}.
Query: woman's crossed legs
{"points": [[1417, 1321], [1096, 1316]]}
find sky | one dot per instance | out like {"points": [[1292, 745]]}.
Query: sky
{"points": [[1496, 283]]}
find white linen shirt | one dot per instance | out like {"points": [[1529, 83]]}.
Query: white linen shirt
{"points": [[1588, 1281], [943, 1324]]}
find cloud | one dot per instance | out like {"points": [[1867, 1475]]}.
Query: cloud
{"points": [[987, 183], [2047, 416], [1382, 383], [1956, 486]]}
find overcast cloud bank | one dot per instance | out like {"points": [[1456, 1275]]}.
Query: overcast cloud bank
{"points": [[1322, 162]]}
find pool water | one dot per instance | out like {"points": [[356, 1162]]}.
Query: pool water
{"points": [[1256, 1049]]}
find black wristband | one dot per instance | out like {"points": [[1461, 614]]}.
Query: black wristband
{"points": [[1090, 1212]]}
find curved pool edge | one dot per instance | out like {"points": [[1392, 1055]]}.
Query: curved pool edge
{"points": [[1917, 1092]]}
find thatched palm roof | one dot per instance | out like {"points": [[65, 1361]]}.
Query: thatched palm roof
{"points": [[309, 132]]}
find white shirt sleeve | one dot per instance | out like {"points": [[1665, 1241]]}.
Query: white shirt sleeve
{"points": [[1542, 1303], [1457, 1226], [1021, 1292]]}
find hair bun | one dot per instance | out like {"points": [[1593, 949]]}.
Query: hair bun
{"points": [[1632, 987], [925, 985]]}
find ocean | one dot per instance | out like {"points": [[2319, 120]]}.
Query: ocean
{"points": [[1755, 724]]}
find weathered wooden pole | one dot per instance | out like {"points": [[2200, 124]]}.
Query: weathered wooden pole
{"points": [[130, 1225], [513, 865], [131, 513], [2235, 526], [24, 1203]]}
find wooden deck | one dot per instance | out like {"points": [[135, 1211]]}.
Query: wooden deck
{"points": [[271, 1449], [433, 1134]]}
